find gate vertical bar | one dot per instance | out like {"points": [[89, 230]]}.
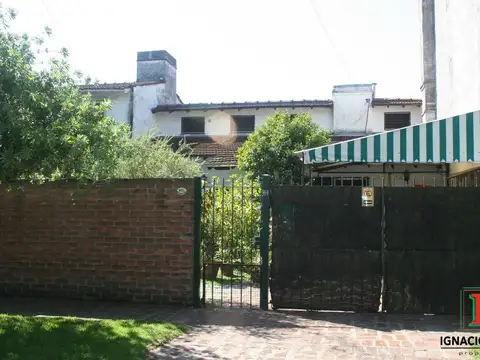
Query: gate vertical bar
{"points": [[264, 237], [197, 216], [383, 247]]}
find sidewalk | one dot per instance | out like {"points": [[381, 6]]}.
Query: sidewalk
{"points": [[254, 334]]}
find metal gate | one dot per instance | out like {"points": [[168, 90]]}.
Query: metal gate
{"points": [[325, 249], [234, 243], [412, 251]]}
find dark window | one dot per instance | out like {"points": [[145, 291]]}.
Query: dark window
{"points": [[243, 124], [396, 120], [348, 181], [341, 181], [193, 125], [322, 181]]}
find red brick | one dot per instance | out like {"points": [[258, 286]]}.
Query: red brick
{"points": [[127, 240]]}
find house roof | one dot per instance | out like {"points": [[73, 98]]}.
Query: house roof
{"points": [[215, 150], [217, 153], [450, 140], [393, 102], [116, 86], [244, 105]]}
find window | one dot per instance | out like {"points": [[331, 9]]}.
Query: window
{"points": [[348, 181], [396, 120], [193, 125], [341, 181], [242, 124]]}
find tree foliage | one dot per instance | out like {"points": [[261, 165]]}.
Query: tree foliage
{"points": [[270, 149], [49, 129]]}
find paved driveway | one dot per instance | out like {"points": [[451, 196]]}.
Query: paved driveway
{"points": [[255, 334]]}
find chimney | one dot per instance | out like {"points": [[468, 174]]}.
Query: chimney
{"points": [[351, 108], [159, 66]]}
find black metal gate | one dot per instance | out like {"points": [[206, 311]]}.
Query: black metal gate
{"points": [[231, 235], [431, 247], [413, 251], [325, 251]]}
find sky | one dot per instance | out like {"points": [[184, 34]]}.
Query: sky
{"points": [[248, 50]]}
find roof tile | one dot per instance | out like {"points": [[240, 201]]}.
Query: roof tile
{"points": [[217, 151]]}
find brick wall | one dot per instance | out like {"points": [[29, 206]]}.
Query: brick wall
{"points": [[126, 240]]}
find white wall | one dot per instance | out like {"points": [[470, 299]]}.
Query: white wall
{"points": [[457, 40], [376, 117], [144, 99], [120, 104], [457, 35], [347, 110], [350, 111], [218, 122]]}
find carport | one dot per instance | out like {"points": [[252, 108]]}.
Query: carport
{"points": [[451, 140]]}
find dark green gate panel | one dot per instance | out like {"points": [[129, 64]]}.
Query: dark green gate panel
{"points": [[325, 249], [432, 247]]}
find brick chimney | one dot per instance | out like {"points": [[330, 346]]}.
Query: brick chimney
{"points": [[159, 66]]}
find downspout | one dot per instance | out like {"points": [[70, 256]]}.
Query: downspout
{"points": [[369, 103], [368, 112], [130, 111]]}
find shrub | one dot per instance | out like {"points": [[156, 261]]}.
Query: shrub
{"points": [[141, 157]]}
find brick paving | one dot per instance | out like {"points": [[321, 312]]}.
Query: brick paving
{"points": [[239, 334], [253, 334]]}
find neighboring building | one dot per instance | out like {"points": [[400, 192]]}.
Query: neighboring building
{"points": [[447, 141], [451, 54], [217, 130]]}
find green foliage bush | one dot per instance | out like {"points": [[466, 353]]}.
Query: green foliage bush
{"points": [[143, 158]]}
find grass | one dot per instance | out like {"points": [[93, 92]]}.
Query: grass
{"points": [[65, 338]]}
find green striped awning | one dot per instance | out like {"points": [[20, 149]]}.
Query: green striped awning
{"points": [[455, 139]]}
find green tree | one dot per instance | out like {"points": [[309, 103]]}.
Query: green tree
{"points": [[270, 149], [49, 129]]}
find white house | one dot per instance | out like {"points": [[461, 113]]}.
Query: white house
{"points": [[216, 130]]}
